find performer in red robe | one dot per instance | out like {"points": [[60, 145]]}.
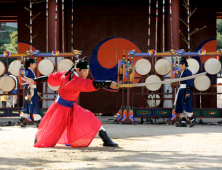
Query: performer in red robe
{"points": [[65, 122]]}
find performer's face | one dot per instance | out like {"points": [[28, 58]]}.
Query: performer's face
{"points": [[182, 67], [33, 66], [83, 73]]}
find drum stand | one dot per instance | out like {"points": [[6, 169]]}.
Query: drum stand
{"points": [[9, 123], [201, 121], [127, 120], [150, 120], [220, 123], [9, 120], [176, 119]]}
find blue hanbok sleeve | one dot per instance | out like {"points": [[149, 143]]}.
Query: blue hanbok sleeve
{"points": [[27, 74]]}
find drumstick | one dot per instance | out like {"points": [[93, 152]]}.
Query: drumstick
{"points": [[149, 26], [63, 26], [72, 29], [185, 100], [39, 94], [47, 43], [26, 98], [188, 24], [30, 26], [47, 32], [156, 26], [163, 25], [171, 27], [161, 82], [55, 24]]}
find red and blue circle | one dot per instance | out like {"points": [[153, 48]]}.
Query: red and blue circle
{"points": [[105, 56], [208, 45]]}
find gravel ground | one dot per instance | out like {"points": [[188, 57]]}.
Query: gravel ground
{"points": [[146, 146]]}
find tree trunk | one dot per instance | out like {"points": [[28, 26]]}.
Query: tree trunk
{"points": [[4, 26]]}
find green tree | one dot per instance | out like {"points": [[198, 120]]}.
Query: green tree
{"points": [[219, 33], [219, 26], [13, 45], [219, 40]]}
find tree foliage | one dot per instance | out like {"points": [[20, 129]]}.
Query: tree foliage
{"points": [[9, 43], [219, 33]]}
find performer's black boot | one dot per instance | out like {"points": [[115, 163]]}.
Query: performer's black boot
{"points": [[20, 122], [35, 140], [38, 122], [106, 140], [182, 123], [193, 122]]}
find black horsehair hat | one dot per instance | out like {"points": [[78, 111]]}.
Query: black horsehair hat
{"points": [[30, 60], [82, 63], [184, 61]]}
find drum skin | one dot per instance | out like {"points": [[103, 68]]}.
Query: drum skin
{"points": [[212, 66], [154, 102], [65, 65], [14, 67], [46, 67], [202, 83], [193, 64], [7, 84], [153, 78], [2, 68], [53, 88], [143, 66], [162, 67]]}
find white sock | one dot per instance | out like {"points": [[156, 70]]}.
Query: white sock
{"points": [[25, 115], [101, 128], [37, 117]]}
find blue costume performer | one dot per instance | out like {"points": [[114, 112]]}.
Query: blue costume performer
{"points": [[31, 102], [184, 98]]}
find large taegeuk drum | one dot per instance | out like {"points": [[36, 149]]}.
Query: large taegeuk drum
{"points": [[193, 64], [153, 100], [212, 66], [65, 65], [153, 78], [53, 88], [143, 66], [202, 83], [7, 84], [46, 67], [2, 68], [162, 67], [14, 67]]}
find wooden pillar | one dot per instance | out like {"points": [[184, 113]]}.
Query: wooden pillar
{"points": [[175, 25], [51, 38]]}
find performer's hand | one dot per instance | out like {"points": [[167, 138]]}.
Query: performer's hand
{"points": [[187, 95], [113, 85], [29, 97], [28, 81]]}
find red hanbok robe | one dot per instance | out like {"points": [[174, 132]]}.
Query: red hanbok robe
{"points": [[68, 125]]}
